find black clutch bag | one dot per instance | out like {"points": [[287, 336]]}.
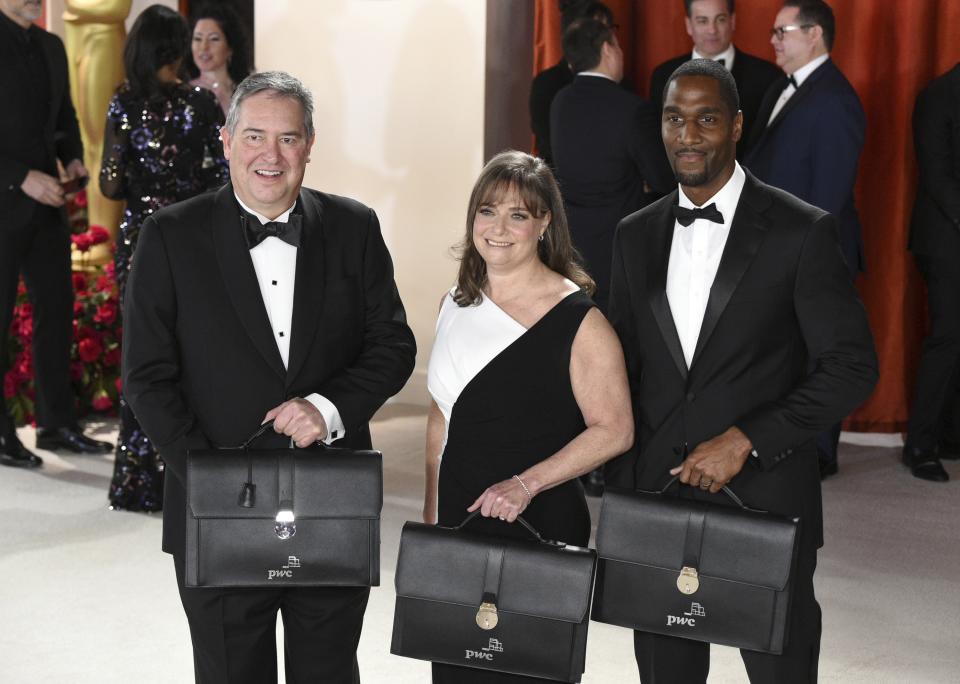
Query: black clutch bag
{"points": [[283, 517], [493, 603], [693, 570]]}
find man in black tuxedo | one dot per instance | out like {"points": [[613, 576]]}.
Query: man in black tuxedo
{"points": [[935, 243], [710, 25], [548, 82], [744, 337], [263, 300], [813, 137], [38, 127], [606, 150]]}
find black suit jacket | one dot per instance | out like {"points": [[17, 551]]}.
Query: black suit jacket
{"points": [[606, 143], [935, 228], [781, 305], [543, 89], [752, 74], [812, 149], [61, 138], [200, 364]]}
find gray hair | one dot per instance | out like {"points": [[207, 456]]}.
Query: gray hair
{"points": [[279, 82]]}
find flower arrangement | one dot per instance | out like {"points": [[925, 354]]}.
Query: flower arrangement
{"points": [[95, 352]]}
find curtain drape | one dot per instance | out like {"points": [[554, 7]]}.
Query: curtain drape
{"points": [[889, 51]]}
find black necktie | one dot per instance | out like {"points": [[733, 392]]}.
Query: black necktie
{"points": [[256, 232], [686, 216]]}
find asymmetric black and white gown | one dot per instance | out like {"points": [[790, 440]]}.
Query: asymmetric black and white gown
{"points": [[505, 393]]}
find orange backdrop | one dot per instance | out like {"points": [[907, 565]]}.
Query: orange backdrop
{"points": [[889, 51]]}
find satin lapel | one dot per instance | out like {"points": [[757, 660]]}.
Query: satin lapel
{"points": [[658, 258], [758, 133], [803, 92], [240, 279], [309, 283], [746, 235]]}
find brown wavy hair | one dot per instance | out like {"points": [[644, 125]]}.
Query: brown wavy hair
{"points": [[540, 194]]}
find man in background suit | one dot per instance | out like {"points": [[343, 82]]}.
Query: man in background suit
{"points": [[743, 337], [605, 147], [264, 300], [710, 24], [935, 243], [38, 127], [548, 82], [811, 143]]}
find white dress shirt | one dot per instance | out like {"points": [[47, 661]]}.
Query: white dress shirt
{"points": [[275, 263], [595, 74], [727, 56], [800, 75], [694, 259]]}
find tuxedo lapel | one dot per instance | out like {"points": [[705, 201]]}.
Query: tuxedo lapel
{"points": [[309, 284], [240, 279], [658, 259], [803, 92], [746, 235]]}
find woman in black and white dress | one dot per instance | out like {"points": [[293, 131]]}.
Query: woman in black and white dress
{"points": [[527, 377]]}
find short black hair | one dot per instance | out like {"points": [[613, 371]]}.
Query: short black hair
{"points": [[731, 6], [711, 69], [240, 64], [818, 13], [571, 10], [157, 38], [583, 43]]}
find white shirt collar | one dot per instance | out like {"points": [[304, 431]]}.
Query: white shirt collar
{"points": [[596, 74], [727, 56], [726, 197], [282, 218], [803, 73]]}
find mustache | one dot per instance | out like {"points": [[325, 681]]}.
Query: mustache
{"points": [[687, 150]]}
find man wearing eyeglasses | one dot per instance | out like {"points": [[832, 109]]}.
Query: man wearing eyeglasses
{"points": [[710, 25], [813, 135]]}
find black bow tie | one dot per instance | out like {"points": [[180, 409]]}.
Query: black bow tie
{"points": [[256, 232], [792, 81], [722, 62], [686, 216]]}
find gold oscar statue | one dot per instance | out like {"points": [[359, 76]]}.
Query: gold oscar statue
{"points": [[95, 33]]}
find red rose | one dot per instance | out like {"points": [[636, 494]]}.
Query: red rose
{"points": [[80, 199], [106, 313], [9, 386], [110, 269], [26, 310], [76, 371], [102, 401], [118, 384], [104, 284], [77, 312], [83, 242], [79, 282], [26, 328], [99, 235], [89, 349], [112, 356], [85, 332]]}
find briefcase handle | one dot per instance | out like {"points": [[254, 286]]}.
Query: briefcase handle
{"points": [[530, 528], [725, 489], [248, 490]]}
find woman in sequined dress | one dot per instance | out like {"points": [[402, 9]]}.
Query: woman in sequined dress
{"points": [[161, 146]]}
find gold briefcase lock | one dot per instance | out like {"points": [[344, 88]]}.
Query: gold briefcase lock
{"points": [[487, 616], [687, 582]]}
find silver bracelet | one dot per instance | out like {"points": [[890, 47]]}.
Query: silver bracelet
{"points": [[525, 490]]}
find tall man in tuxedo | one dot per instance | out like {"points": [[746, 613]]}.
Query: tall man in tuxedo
{"points": [[550, 81], [710, 25], [606, 149], [744, 337], [811, 143], [38, 127], [935, 243], [264, 300]]}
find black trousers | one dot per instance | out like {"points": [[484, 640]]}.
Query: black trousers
{"points": [[234, 633], [40, 250], [671, 660], [940, 360]]}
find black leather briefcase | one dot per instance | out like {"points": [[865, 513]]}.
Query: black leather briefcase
{"points": [[283, 517], [690, 569], [493, 603]]}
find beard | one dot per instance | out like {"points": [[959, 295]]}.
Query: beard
{"points": [[31, 10], [693, 180]]}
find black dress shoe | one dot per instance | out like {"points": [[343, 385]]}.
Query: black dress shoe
{"points": [[828, 468], [54, 439], [593, 483], [13, 453], [924, 464]]}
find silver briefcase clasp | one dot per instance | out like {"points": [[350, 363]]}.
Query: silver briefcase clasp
{"points": [[286, 525], [687, 581], [487, 616]]}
